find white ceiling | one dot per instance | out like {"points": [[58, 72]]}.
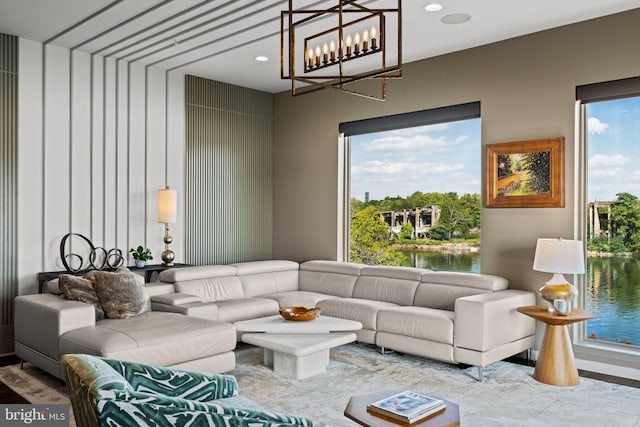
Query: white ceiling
{"points": [[229, 34]]}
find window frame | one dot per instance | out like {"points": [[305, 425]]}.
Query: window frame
{"points": [[452, 113], [596, 355]]}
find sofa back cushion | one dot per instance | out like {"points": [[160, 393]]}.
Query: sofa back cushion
{"points": [[212, 288], [266, 277], [390, 284], [440, 289], [329, 277]]}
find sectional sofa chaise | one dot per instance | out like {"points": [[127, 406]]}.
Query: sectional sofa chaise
{"points": [[449, 316]]}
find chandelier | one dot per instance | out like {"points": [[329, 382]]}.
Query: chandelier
{"points": [[341, 47]]}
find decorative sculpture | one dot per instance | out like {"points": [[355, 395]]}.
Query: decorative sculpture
{"points": [[99, 257]]}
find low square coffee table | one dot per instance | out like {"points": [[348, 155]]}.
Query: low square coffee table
{"points": [[297, 349]]}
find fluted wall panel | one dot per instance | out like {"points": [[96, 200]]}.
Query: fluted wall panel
{"points": [[8, 176], [228, 178], [94, 151]]}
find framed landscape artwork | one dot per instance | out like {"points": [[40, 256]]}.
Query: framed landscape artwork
{"points": [[525, 174]]}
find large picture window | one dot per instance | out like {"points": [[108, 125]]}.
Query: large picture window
{"points": [[414, 189], [610, 116]]}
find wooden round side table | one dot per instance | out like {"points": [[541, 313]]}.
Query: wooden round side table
{"points": [[556, 364]]}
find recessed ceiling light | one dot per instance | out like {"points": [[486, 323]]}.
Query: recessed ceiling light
{"points": [[261, 58], [455, 18], [433, 7]]}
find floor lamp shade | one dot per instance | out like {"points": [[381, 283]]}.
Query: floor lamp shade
{"points": [[167, 206]]}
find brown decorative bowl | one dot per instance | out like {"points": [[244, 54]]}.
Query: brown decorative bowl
{"points": [[300, 314]]}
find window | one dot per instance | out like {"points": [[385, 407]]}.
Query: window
{"points": [[413, 189], [610, 118]]}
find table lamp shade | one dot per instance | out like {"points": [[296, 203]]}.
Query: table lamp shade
{"points": [[559, 256], [167, 206]]}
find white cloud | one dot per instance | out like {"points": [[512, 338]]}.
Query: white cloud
{"points": [[604, 161], [413, 169], [596, 126], [420, 130], [400, 143]]}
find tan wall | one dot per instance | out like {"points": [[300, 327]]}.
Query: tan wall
{"points": [[526, 87]]}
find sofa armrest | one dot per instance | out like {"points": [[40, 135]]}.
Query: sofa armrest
{"points": [[41, 319], [174, 382], [485, 321]]}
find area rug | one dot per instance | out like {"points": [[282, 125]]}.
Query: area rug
{"points": [[508, 396]]}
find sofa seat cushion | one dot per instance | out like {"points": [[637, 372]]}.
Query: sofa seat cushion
{"points": [[298, 298], [234, 310], [419, 322], [361, 310], [152, 337]]}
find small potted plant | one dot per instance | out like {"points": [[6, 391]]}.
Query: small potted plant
{"points": [[141, 256]]}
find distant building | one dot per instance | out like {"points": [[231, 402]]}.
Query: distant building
{"points": [[600, 218], [366, 197], [422, 219]]}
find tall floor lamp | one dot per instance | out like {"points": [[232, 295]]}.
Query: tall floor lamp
{"points": [[167, 214]]}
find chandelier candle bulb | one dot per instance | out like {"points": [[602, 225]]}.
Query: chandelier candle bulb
{"points": [[373, 34], [356, 41], [348, 43], [365, 40], [332, 50], [310, 57], [317, 56], [325, 53]]}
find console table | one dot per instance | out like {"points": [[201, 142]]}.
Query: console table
{"points": [[147, 271], [556, 364]]}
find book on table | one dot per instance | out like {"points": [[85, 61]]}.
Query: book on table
{"points": [[407, 406]]}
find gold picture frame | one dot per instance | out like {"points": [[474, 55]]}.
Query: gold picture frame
{"points": [[525, 174]]}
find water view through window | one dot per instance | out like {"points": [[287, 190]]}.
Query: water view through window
{"points": [[415, 196], [613, 263]]}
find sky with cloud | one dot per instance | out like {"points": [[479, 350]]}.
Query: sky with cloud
{"points": [[437, 158], [446, 157], [614, 148]]}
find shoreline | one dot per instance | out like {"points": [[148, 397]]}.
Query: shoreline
{"points": [[445, 247]]}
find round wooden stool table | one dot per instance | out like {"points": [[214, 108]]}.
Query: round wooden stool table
{"points": [[556, 364]]}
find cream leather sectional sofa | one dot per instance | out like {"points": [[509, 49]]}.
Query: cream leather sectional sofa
{"points": [[454, 317]]}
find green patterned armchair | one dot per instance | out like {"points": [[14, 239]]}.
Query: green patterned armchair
{"points": [[108, 392]]}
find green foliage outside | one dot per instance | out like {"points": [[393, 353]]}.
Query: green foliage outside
{"points": [[372, 240], [625, 228]]}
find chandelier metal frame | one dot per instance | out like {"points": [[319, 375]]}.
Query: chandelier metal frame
{"points": [[350, 15]]}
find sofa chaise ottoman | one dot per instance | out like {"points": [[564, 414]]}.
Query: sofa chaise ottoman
{"points": [[48, 326]]}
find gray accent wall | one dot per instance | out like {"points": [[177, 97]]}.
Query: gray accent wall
{"points": [[8, 184], [228, 172]]}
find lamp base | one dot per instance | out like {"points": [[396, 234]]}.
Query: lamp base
{"points": [[168, 257], [560, 295]]}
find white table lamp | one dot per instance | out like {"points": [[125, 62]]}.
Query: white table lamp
{"points": [[167, 214], [559, 256]]}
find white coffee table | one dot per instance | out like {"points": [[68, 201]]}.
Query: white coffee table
{"points": [[297, 349]]}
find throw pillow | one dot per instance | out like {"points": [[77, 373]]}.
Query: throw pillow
{"points": [[120, 294], [80, 289]]}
